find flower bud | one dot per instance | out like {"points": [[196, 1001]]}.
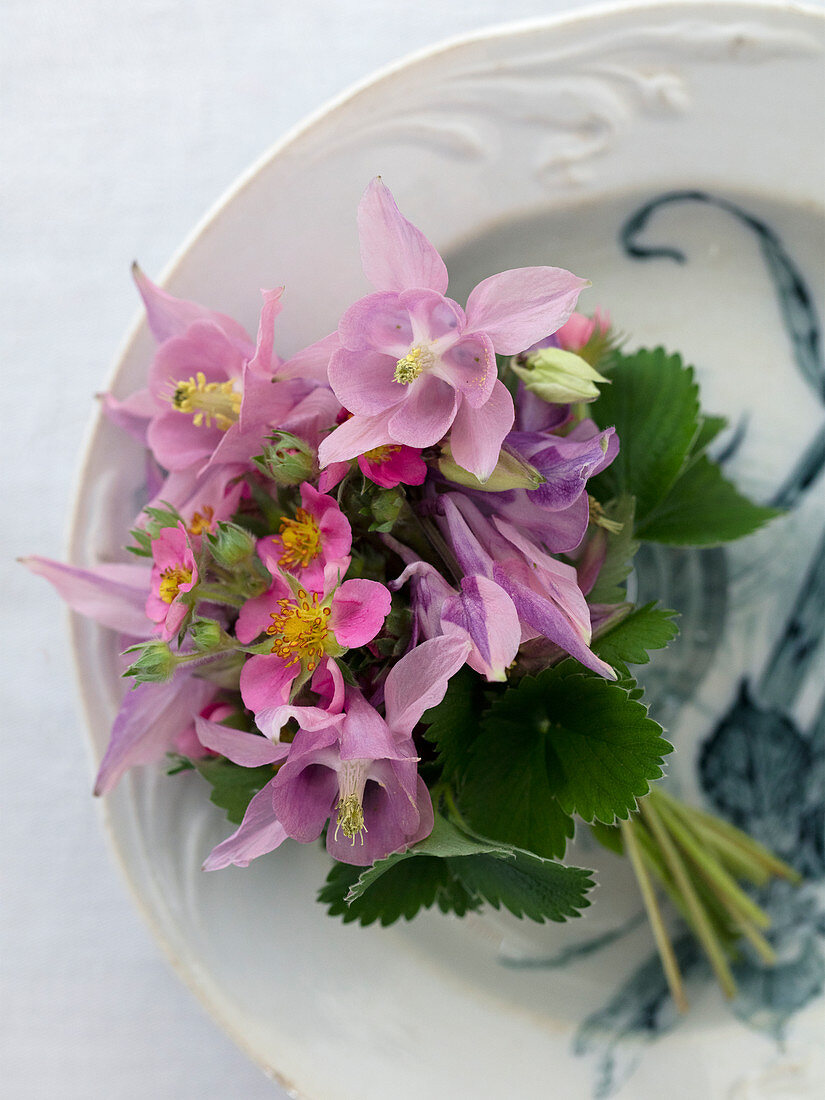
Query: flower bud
{"points": [[155, 665], [287, 459], [385, 506], [558, 377], [206, 634], [231, 545], [511, 472]]}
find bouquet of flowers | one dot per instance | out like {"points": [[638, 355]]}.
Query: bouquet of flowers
{"points": [[380, 594]]}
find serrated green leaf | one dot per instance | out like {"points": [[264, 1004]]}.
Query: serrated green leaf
{"points": [[560, 743], [709, 428], [653, 403], [645, 628], [527, 885], [609, 836], [403, 891], [453, 725], [445, 840], [233, 787], [703, 509], [621, 549]]}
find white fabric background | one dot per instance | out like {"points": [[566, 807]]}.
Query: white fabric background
{"points": [[121, 125]]}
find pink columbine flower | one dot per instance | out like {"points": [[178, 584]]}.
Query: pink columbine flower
{"points": [[174, 573], [413, 364], [319, 536], [307, 628], [358, 771]]}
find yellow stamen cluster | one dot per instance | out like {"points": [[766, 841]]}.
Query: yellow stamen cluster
{"points": [[414, 362], [202, 521], [301, 538], [350, 818], [207, 402], [300, 630], [170, 581], [379, 455]]}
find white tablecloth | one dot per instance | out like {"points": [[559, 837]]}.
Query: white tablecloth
{"points": [[121, 125]]}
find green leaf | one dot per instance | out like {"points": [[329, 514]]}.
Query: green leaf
{"points": [[563, 742], [445, 840], [703, 509], [653, 403], [453, 725], [233, 787], [405, 889], [526, 885], [621, 548], [609, 836], [645, 628], [709, 428]]}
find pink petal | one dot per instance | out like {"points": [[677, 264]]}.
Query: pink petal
{"points": [[403, 466], [247, 749], [131, 415], [149, 721], [470, 366], [260, 832], [168, 316], [377, 322], [256, 615], [353, 437], [266, 680], [265, 361], [488, 615], [359, 608], [394, 254], [418, 681], [311, 362], [336, 533], [364, 381], [519, 307], [113, 595], [477, 434], [366, 736], [433, 317], [331, 476], [426, 413], [305, 790]]}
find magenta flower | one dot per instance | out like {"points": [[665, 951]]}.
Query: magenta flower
{"points": [[306, 628], [174, 574], [393, 464], [318, 536], [413, 364]]}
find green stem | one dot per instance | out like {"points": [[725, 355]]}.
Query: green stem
{"points": [[663, 943], [219, 595], [698, 916], [714, 873], [762, 855]]}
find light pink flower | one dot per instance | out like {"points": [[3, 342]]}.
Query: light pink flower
{"points": [[413, 364], [578, 330], [174, 573]]}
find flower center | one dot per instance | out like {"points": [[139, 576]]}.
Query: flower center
{"points": [[350, 816], [301, 538], [202, 521], [207, 401], [379, 455], [414, 362], [300, 630], [170, 581]]}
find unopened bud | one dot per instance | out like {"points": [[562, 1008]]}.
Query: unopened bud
{"points": [[206, 634], [558, 377], [155, 665], [287, 460], [231, 545], [511, 472]]}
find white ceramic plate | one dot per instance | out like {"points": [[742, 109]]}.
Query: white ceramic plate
{"points": [[538, 144]]}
